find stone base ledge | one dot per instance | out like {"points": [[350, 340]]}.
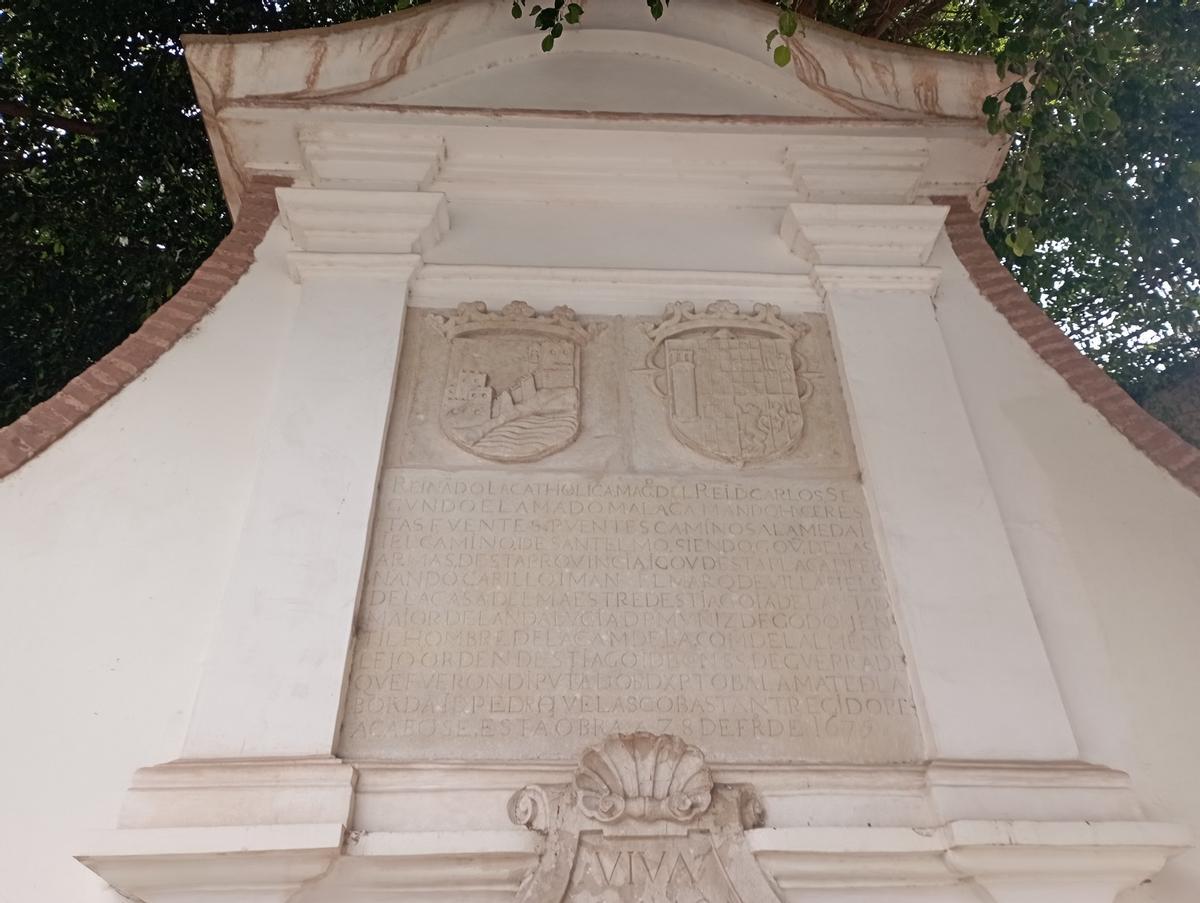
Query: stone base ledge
{"points": [[1013, 860], [430, 797]]}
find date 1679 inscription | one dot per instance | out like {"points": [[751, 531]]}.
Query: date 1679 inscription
{"points": [[509, 616]]}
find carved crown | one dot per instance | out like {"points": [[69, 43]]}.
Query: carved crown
{"points": [[643, 776], [473, 317], [681, 316]]}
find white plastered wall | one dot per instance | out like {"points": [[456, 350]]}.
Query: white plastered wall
{"points": [[118, 540], [115, 545], [1107, 545]]}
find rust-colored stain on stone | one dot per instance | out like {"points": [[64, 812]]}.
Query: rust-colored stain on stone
{"points": [[314, 68], [925, 88], [810, 72], [885, 75]]}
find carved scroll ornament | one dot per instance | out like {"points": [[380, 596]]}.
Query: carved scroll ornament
{"points": [[642, 822]]}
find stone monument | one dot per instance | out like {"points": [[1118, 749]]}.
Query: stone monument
{"points": [[637, 441]]}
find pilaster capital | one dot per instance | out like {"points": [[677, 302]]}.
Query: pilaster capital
{"points": [[310, 266], [834, 281], [370, 158], [857, 169], [868, 235], [363, 222]]}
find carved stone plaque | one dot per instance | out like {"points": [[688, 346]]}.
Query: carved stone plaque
{"points": [[523, 615], [512, 389], [642, 822], [732, 381], [524, 609]]}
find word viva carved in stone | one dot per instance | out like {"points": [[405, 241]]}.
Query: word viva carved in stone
{"points": [[642, 822]]}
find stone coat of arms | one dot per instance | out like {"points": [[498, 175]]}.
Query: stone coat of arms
{"points": [[512, 384], [731, 380], [642, 822]]}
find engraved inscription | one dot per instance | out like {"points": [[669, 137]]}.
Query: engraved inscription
{"points": [[521, 617]]}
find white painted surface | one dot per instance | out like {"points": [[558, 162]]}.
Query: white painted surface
{"points": [[1106, 543], [987, 688], [272, 684], [115, 545]]}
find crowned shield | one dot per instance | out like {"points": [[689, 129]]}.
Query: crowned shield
{"points": [[512, 384], [731, 380]]}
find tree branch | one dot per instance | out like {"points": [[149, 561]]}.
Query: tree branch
{"points": [[916, 20], [66, 123]]}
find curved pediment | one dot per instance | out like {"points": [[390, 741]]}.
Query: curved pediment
{"points": [[604, 70], [703, 57]]}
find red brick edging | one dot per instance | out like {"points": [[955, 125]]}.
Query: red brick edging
{"points": [[34, 432], [1156, 440]]}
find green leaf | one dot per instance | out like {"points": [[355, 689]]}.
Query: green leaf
{"points": [[1023, 242], [783, 55], [991, 105], [990, 19], [788, 22], [548, 43], [771, 36], [1111, 120], [516, 10]]}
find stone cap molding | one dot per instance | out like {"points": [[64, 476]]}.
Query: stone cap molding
{"points": [[39, 428], [1154, 439]]}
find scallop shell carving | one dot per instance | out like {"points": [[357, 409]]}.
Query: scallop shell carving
{"points": [[643, 776]]}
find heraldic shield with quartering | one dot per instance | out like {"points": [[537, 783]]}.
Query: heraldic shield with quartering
{"points": [[730, 380]]}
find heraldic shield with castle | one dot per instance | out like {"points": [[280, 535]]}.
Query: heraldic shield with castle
{"points": [[512, 386], [730, 379]]}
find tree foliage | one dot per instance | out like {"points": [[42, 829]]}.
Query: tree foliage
{"points": [[109, 198]]}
